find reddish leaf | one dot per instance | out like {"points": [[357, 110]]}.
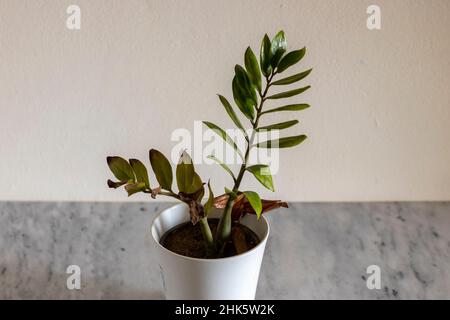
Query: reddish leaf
{"points": [[242, 206]]}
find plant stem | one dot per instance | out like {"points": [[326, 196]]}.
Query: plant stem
{"points": [[224, 227], [206, 232]]}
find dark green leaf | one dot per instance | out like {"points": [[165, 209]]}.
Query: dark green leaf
{"points": [[140, 171], [288, 94], [120, 168], [291, 107], [223, 165], [245, 104], [209, 204], [231, 113], [115, 185], [224, 136], [251, 64], [279, 126], [135, 188], [263, 175], [287, 142], [255, 201], [196, 185], [162, 169], [277, 49], [244, 84], [185, 173], [292, 79], [290, 59], [265, 56]]}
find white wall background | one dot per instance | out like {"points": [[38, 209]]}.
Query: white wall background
{"points": [[379, 128]]}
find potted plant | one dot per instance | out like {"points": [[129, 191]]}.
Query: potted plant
{"points": [[213, 248]]}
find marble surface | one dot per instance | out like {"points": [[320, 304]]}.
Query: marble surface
{"points": [[315, 251]]}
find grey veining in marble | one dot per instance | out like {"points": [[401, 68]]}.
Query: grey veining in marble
{"points": [[315, 251]]}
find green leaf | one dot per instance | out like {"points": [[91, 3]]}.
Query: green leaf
{"points": [[120, 168], [245, 85], [255, 201], [185, 173], [135, 188], [277, 48], [209, 203], [223, 165], [196, 185], [115, 185], [231, 193], [244, 104], [288, 94], [162, 169], [224, 136], [292, 79], [265, 56], [231, 113], [287, 142], [263, 175], [140, 171], [291, 107], [279, 126], [290, 59], [251, 64]]}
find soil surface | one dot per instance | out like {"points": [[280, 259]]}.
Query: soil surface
{"points": [[187, 240]]}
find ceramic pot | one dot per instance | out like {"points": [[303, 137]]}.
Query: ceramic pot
{"points": [[231, 278]]}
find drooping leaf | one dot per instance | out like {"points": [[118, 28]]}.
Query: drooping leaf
{"points": [[292, 79], [265, 56], [209, 203], [279, 126], [252, 67], [255, 201], [185, 173], [223, 165], [224, 136], [287, 142], [291, 107], [263, 175], [244, 104], [162, 169], [245, 85], [120, 168], [115, 185], [277, 48], [140, 171], [288, 94], [242, 206], [290, 59], [135, 188], [231, 113]]}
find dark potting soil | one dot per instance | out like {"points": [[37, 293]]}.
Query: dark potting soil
{"points": [[187, 240]]}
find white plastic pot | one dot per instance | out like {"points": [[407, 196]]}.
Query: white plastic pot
{"points": [[231, 278]]}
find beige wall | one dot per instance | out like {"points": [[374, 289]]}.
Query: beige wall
{"points": [[379, 128]]}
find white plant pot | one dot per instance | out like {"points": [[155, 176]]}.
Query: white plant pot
{"points": [[185, 278]]}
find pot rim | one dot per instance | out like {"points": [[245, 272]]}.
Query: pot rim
{"points": [[215, 260]]}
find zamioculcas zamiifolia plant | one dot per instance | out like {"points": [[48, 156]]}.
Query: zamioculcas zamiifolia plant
{"points": [[251, 87]]}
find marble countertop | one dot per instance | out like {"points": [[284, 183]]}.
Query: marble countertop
{"points": [[315, 251]]}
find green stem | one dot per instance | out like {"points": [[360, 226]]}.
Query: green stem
{"points": [[224, 227], [206, 232]]}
